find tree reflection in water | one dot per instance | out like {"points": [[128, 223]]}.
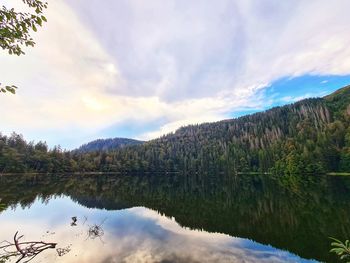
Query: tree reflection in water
{"points": [[296, 213]]}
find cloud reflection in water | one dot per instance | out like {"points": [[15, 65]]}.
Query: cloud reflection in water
{"points": [[132, 235]]}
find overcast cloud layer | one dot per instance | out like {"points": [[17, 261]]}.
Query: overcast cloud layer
{"points": [[163, 64]]}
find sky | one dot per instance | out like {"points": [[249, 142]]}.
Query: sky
{"points": [[141, 69]]}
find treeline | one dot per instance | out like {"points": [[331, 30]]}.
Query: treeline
{"points": [[18, 156], [310, 136]]}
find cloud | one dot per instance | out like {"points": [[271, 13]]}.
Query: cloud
{"points": [[179, 49], [98, 65]]}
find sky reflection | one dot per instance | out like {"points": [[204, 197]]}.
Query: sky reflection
{"points": [[131, 235]]}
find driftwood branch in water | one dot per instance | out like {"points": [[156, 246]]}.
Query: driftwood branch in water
{"points": [[23, 251]]}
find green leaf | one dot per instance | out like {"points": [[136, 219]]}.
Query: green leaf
{"points": [[336, 240], [39, 21], [334, 244], [336, 250]]}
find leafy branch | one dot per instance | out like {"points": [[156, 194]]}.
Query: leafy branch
{"points": [[16, 28], [11, 89], [341, 249]]}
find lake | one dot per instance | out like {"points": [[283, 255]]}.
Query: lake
{"points": [[190, 217]]}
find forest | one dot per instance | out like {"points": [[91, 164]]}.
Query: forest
{"points": [[309, 136]]}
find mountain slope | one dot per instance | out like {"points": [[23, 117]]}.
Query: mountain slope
{"points": [[309, 136], [107, 145]]}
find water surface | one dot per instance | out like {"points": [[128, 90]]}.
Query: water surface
{"points": [[178, 217]]}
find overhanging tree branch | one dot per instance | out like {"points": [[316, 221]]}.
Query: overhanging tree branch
{"points": [[16, 28]]}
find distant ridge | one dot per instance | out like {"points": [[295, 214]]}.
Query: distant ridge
{"points": [[107, 145]]}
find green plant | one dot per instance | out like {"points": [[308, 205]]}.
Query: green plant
{"points": [[341, 249]]}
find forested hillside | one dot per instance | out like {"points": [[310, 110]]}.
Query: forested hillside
{"points": [[311, 136], [107, 145]]}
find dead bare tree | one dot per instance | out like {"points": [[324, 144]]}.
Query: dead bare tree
{"points": [[23, 251]]}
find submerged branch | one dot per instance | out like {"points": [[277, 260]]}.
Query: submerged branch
{"points": [[23, 250]]}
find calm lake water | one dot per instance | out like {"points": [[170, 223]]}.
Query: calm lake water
{"points": [[177, 217]]}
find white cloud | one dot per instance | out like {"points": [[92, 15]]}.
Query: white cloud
{"points": [[97, 65]]}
